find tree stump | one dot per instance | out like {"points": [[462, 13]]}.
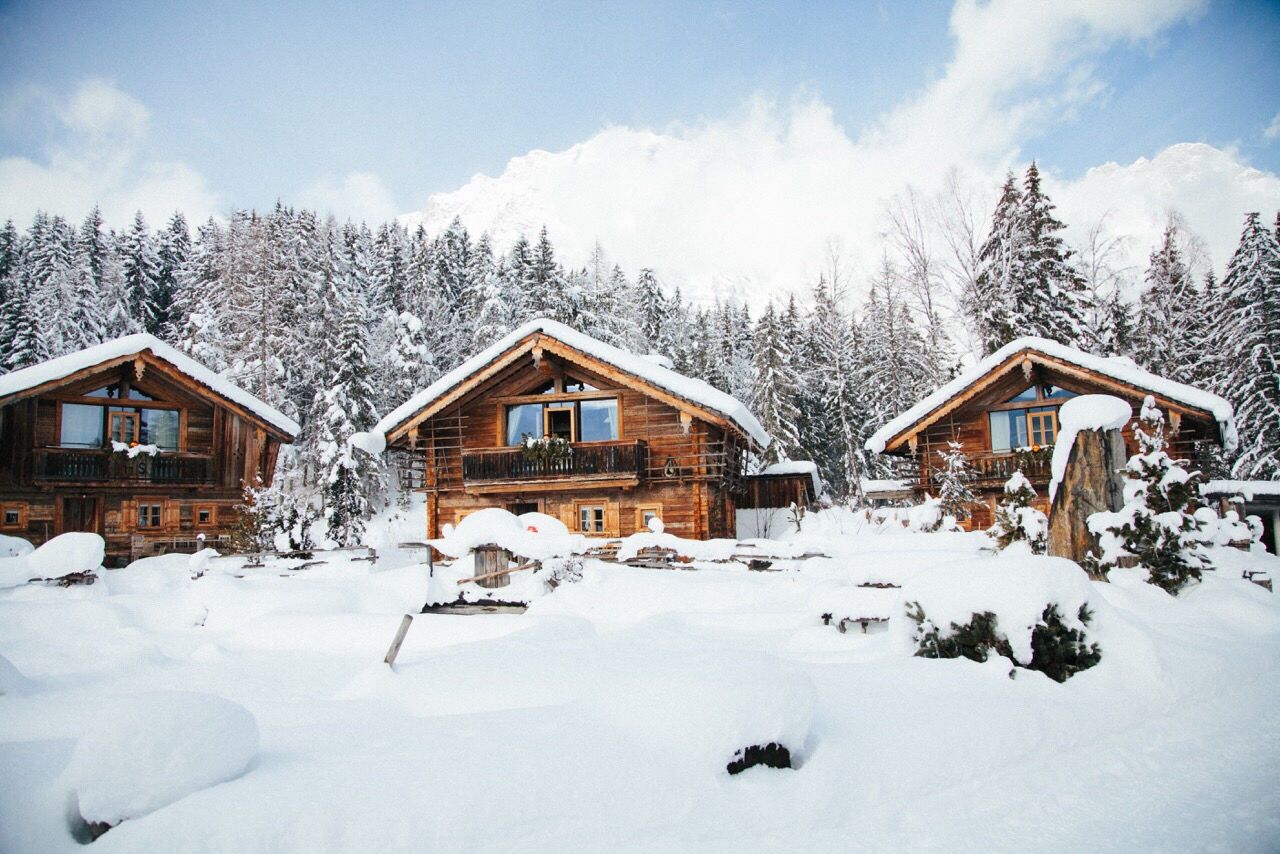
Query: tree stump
{"points": [[491, 558], [1092, 483]]}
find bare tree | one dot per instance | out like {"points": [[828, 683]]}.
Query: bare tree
{"points": [[1100, 263], [935, 306], [960, 213]]}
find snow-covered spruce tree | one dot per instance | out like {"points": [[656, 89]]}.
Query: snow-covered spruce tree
{"points": [[1164, 340], [26, 345], [141, 269], [1016, 520], [989, 305], [1250, 376], [173, 247], [895, 366], [651, 312], [1156, 527], [200, 314], [1051, 298], [953, 481], [772, 398]]}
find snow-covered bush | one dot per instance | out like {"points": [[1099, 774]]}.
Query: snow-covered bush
{"points": [[145, 751], [1034, 611], [1016, 520], [547, 449], [562, 570], [953, 481], [1157, 527], [928, 516]]}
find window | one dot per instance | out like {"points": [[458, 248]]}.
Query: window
{"points": [[13, 516], [204, 516], [1008, 429], [599, 420], [1023, 396], [524, 419], [576, 421], [1043, 425], [160, 428], [81, 426], [124, 427], [1053, 392], [149, 515], [591, 518], [113, 391], [577, 385], [645, 514]]}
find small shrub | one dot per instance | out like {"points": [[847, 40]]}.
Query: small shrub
{"points": [[1059, 651], [772, 755], [974, 640]]}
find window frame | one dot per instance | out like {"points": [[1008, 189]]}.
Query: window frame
{"points": [[581, 507], [13, 507], [641, 509], [140, 506], [211, 509], [1042, 402], [570, 401]]}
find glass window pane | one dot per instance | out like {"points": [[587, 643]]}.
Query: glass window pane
{"points": [[598, 420], [571, 384], [160, 428], [524, 419], [81, 426], [999, 431], [1024, 395], [1008, 429], [1053, 391]]}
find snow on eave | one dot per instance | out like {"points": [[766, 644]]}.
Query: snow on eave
{"points": [[1120, 370], [1246, 489], [694, 391], [53, 370]]}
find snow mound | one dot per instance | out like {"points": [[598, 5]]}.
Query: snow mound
{"points": [[64, 554], [149, 750], [1016, 588], [496, 526], [1087, 412], [12, 682], [14, 546], [542, 523], [370, 443]]}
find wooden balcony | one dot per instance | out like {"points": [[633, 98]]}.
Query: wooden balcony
{"points": [[594, 463], [992, 469], [81, 465]]}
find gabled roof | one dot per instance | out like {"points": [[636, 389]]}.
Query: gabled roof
{"points": [[1044, 351], [38, 378], [692, 393]]}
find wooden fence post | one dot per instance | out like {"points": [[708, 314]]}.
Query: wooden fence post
{"points": [[399, 640]]}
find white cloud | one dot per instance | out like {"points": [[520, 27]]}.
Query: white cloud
{"points": [[358, 196], [99, 157], [747, 203], [1272, 130]]}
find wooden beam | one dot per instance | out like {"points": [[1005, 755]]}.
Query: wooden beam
{"points": [[568, 485]]}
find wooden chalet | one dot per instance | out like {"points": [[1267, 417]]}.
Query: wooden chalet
{"points": [[132, 440], [645, 441], [1004, 412]]}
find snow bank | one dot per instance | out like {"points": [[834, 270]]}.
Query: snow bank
{"points": [[129, 345], [1118, 370], [1016, 588], [693, 390], [64, 554], [14, 546], [146, 751], [1246, 489], [503, 528], [12, 682], [1087, 412]]}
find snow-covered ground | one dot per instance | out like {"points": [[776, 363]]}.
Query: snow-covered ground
{"points": [[602, 719]]}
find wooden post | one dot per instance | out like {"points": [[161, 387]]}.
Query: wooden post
{"points": [[1092, 483], [399, 641], [490, 559]]}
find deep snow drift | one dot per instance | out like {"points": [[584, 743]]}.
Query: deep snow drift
{"points": [[603, 718]]}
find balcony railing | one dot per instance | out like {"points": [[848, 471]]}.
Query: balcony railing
{"points": [[588, 460], [88, 465]]}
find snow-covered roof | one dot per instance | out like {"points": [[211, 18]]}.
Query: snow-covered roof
{"points": [[871, 487], [692, 390], [130, 345], [792, 467], [1246, 489], [1120, 369]]}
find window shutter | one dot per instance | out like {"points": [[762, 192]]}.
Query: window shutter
{"points": [[129, 513], [612, 523], [171, 511], [569, 516]]}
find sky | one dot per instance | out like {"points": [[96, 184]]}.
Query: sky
{"points": [[660, 129]]}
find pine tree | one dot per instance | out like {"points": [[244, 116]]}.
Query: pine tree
{"points": [[1156, 526], [1016, 520], [1251, 367], [141, 269], [174, 247], [772, 398], [1051, 298], [990, 306], [953, 480]]}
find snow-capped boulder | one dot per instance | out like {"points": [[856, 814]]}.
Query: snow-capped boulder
{"points": [[145, 751], [63, 555]]}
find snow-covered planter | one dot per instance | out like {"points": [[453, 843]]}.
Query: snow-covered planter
{"points": [[1034, 611], [546, 450], [145, 751]]}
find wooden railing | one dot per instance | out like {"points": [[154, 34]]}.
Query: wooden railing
{"points": [[87, 465], [587, 459]]}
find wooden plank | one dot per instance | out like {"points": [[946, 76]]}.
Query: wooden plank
{"points": [[394, 650], [499, 573]]}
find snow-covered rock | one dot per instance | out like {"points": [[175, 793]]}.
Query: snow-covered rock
{"points": [[145, 751], [1087, 412]]}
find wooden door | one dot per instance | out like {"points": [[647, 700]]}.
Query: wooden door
{"points": [[79, 514]]}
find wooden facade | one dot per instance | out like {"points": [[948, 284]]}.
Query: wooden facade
{"points": [[1006, 421], [638, 450], [65, 462]]}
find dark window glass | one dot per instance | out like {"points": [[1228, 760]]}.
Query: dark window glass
{"points": [[524, 419], [160, 428], [81, 426], [598, 420], [560, 422], [10, 518], [591, 519], [148, 515]]}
